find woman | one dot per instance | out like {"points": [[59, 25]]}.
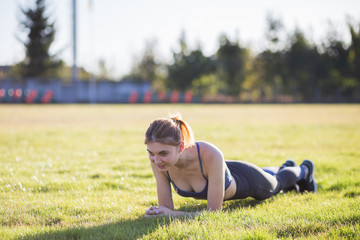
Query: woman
{"points": [[198, 170]]}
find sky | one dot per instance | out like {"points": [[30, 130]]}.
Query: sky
{"points": [[117, 31]]}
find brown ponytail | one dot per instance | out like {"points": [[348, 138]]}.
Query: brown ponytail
{"points": [[171, 131]]}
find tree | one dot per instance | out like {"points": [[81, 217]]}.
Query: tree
{"points": [[187, 66], [304, 68], [40, 35], [270, 62], [146, 68], [207, 86], [354, 57], [336, 64], [231, 65], [104, 72], [274, 28]]}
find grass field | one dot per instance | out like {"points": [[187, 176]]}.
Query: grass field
{"points": [[81, 172]]}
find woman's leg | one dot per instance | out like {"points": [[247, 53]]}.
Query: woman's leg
{"points": [[288, 176], [304, 176], [275, 170], [253, 181]]}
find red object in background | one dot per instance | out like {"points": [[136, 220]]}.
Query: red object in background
{"points": [[147, 97], [174, 98], [47, 96], [2, 93], [133, 97], [32, 94], [18, 93], [161, 96], [188, 97]]}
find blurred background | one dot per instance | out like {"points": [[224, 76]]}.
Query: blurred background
{"points": [[158, 51]]}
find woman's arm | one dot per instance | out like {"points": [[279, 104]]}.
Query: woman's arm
{"points": [[163, 188], [165, 202], [214, 165], [163, 193]]}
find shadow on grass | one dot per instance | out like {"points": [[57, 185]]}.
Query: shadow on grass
{"points": [[133, 228], [230, 205], [126, 229], [233, 205]]}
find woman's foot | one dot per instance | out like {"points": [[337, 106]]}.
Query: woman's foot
{"points": [[288, 163], [307, 183], [295, 187]]}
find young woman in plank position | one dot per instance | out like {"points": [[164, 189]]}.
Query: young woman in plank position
{"points": [[198, 170]]}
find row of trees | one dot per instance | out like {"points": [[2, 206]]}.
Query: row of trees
{"points": [[292, 69], [297, 71]]}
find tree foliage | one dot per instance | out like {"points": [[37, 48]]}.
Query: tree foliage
{"points": [[146, 68], [294, 68], [187, 66], [40, 35], [310, 74], [231, 65], [354, 53]]}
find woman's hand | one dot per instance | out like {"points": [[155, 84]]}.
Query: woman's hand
{"points": [[158, 211]]}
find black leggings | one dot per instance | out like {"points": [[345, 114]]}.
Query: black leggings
{"points": [[252, 181]]}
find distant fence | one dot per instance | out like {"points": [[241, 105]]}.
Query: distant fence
{"points": [[54, 91]]}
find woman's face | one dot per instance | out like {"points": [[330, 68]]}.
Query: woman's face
{"points": [[164, 156]]}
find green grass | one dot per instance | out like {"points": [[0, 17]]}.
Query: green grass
{"points": [[81, 172]]}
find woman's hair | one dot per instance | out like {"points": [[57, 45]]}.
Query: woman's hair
{"points": [[170, 131]]}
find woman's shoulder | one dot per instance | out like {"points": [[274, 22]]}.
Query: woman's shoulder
{"points": [[207, 145], [209, 150]]}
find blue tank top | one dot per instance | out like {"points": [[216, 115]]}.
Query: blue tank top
{"points": [[203, 193]]}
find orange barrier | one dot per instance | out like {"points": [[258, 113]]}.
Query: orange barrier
{"points": [[188, 97], [174, 98], [147, 97], [2, 93], [133, 97], [31, 96], [47, 96]]}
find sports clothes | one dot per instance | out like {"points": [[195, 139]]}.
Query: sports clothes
{"points": [[203, 193], [251, 181]]}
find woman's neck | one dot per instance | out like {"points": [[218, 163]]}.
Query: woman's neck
{"points": [[185, 158]]}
